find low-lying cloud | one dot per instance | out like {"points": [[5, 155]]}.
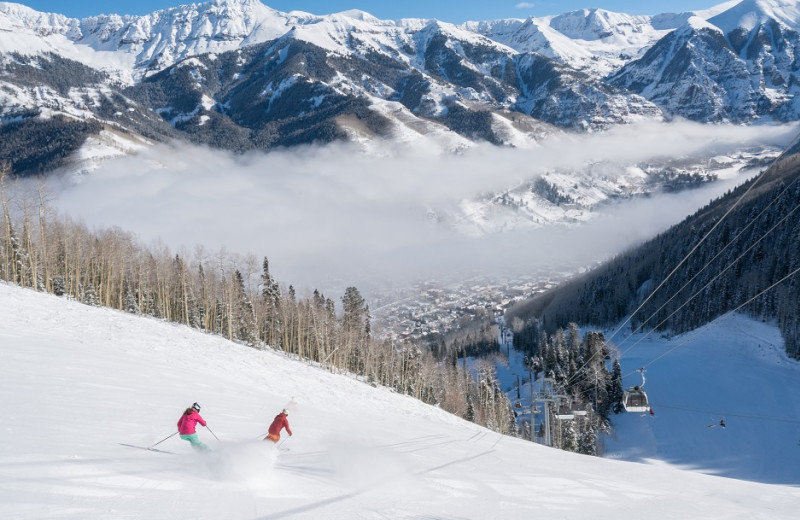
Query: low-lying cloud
{"points": [[333, 215]]}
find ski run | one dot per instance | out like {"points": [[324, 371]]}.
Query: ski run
{"points": [[79, 383]]}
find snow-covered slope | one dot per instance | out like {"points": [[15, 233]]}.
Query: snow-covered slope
{"points": [[595, 41], [737, 65], [735, 370], [78, 381], [749, 14]]}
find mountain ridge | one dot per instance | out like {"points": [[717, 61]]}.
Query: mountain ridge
{"points": [[584, 70], [201, 73]]}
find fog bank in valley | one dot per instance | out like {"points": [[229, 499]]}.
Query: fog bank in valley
{"points": [[335, 215]]}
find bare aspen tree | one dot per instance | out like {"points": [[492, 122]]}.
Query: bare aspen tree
{"points": [[250, 266], [44, 197], [183, 290], [9, 261], [223, 303], [288, 310], [141, 285], [72, 259], [27, 255], [125, 268]]}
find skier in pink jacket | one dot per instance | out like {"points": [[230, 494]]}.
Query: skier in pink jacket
{"points": [[187, 424]]}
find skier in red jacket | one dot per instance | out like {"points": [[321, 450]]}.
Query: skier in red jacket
{"points": [[277, 425], [187, 424]]}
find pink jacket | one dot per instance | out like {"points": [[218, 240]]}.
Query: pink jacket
{"points": [[187, 423]]}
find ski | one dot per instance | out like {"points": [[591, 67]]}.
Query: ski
{"points": [[146, 448]]}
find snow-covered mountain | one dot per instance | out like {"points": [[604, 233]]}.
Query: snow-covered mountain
{"points": [[185, 71], [594, 41], [80, 383], [142, 44], [238, 75], [738, 65]]}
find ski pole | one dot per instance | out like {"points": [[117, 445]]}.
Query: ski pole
{"points": [[212, 433], [162, 440]]}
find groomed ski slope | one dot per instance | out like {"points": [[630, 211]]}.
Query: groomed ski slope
{"points": [[77, 381]]}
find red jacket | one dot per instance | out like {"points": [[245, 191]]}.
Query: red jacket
{"points": [[280, 422], [187, 423]]}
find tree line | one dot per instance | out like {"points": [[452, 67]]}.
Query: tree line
{"points": [[230, 295]]}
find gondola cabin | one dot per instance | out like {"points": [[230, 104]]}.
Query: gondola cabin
{"points": [[635, 400]]}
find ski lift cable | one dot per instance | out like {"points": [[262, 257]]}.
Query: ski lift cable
{"points": [[702, 329], [700, 291], [705, 237], [570, 383], [731, 264], [726, 414], [758, 178]]}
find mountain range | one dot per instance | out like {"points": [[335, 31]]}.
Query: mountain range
{"points": [[240, 75]]}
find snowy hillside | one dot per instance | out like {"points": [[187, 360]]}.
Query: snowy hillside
{"points": [[594, 41], [78, 381], [750, 14], [735, 370]]}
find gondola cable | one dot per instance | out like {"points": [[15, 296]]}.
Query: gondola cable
{"points": [[708, 325], [710, 261], [570, 381], [718, 275], [726, 414]]}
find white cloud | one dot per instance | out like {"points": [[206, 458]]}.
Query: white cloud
{"points": [[525, 5], [327, 216]]}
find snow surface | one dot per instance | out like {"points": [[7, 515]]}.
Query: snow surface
{"points": [[78, 381], [735, 370], [752, 13]]}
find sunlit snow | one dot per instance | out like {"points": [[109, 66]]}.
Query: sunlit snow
{"points": [[78, 382]]}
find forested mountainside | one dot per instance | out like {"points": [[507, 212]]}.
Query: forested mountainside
{"points": [[36, 146], [739, 253]]}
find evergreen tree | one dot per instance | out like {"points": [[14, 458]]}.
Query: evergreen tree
{"points": [[271, 301], [587, 442], [570, 436], [615, 389], [89, 296], [242, 311], [130, 302], [356, 312]]}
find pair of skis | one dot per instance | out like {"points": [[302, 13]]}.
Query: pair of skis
{"points": [[147, 448], [153, 448]]}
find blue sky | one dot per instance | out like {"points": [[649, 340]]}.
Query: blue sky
{"points": [[454, 11]]}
